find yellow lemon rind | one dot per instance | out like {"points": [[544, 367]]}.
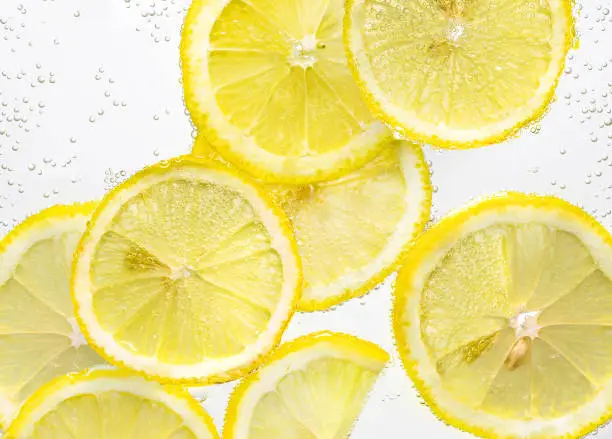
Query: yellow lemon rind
{"points": [[438, 141], [285, 228], [353, 346], [428, 243], [424, 217], [304, 173], [52, 213], [40, 396]]}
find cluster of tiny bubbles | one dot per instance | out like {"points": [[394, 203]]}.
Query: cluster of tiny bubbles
{"points": [[20, 113], [159, 18], [107, 90], [113, 178]]}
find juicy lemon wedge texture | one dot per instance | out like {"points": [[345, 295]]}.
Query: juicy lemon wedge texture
{"points": [[503, 318], [352, 231], [312, 387], [455, 73], [39, 336], [268, 83], [111, 404], [187, 272]]}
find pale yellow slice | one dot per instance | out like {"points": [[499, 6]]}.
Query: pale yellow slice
{"points": [[108, 404], [353, 231], [39, 336], [455, 73], [311, 388], [187, 272], [268, 83], [503, 318]]}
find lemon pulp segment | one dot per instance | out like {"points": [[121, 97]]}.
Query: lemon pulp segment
{"points": [[269, 84], [352, 230], [185, 267], [458, 73], [513, 315], [39, 336], [111, 404], [314, 387]]}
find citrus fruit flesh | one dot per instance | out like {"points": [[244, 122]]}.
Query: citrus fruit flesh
{"points": [[186, 272], [269, 84], [458, 73], [111, 404], [503, 318], [39, 335], [363, 222], [312, 387]]}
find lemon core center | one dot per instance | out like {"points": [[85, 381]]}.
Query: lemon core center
{"points": [[303, 52], [526, 324], [455, 30], [181, 272]]}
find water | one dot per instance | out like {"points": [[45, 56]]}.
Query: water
{"points": [[97, 87]]}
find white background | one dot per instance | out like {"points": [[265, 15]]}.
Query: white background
{"points": [[90, 92]]}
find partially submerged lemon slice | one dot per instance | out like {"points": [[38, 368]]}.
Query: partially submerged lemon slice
{"points": [[39, 336], [312, 387], [353, 231], [187, 272], [457, 73], [111, 404], [503, 318], [268, 83]]}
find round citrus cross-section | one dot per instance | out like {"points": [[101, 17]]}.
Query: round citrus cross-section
{"points": [[458, 74], [187, 272], [502, 317], [268, 83]]}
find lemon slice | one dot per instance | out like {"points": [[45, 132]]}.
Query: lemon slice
{"points": [[352, 231], [454, 73], [111, 404], [313, 387], [187, 272], [503, 318], [39, 336], [268, 83]]}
